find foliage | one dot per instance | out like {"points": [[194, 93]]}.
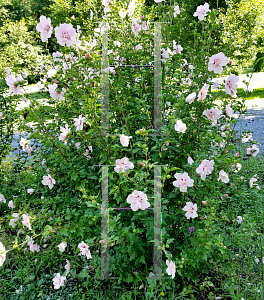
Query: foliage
{"points": [[241, 27], [71, 211]]}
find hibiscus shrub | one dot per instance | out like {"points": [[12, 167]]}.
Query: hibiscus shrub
{"points": [[194, 150]]}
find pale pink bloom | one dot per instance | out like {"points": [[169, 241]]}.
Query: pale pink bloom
{"points": [[205, 168], [84, 248], [190, 160], [138, 200], [124, 140], [213, 114], [56, 56], [106, 4], [183, 181], [254, 150], [67, 267], [222, 144], [238, 167], [24, 144], [62, 246], [138, 47], [66, 35], [239, 220], [33, 247], [246, 138], [15, 218], [178, 48], [77, 145], [191, 210], [176, 11], [49, 181], [216, 84], [26, 221], [1, 116], [101, 241], [2, 198], [64, 133], [122, 13], [45, 28], [204, 202], [29, 150], [171, 268], [223, 176], [11, 204], [54, 93], [165, 53], [51, 73], [7, 71], [12, 82], [131, 8], [237, 154], [58, 281], [203, 92], [144, 26], [201, 11], [231, 85], [117, 43], [30, 191], [87, 154], [2, 254], [190, 98], [180, 126], [79, 122], [216, 62], [122, 60], [252, 180], [229, 111], [123, 164], [135, 27]]}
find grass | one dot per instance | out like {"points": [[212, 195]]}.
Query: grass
{"points": [[256, 94], [237, 276]]}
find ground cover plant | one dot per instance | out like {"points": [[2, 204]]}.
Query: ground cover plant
{"points": [[53, 207]]}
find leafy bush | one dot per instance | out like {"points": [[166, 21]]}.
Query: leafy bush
{"points": [[68, 173], [17, 52]]}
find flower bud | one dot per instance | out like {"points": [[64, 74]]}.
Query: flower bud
{"points": [[225, 195], [237, 154], [141, 164], [204, 202]]}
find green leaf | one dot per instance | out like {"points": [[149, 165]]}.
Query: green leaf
{"points": [[74, 176]]}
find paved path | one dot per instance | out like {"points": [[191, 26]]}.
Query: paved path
{"points": [[254, 117]]}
